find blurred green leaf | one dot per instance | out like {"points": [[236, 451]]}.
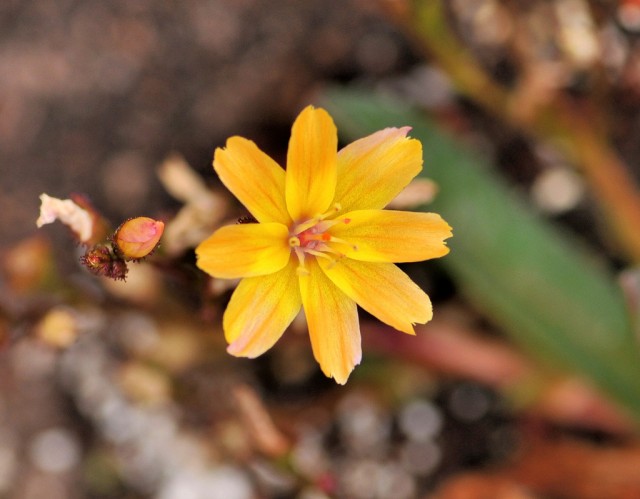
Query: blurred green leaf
{"points": [[546, 290]]}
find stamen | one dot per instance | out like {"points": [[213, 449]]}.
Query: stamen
{"points": [[301, 270], [336, 208], [312, 237], [306, 225], [320, 218], [320, 254], [334, 239]]}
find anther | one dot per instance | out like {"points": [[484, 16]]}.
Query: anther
{"points": [[334, 239], [320, 254]]}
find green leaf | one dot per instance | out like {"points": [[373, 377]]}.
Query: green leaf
{"points": [[547, 291]]}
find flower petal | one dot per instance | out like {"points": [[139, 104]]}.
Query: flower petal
{"points": [[332, 318], [311, 164], [260, 310], [244, 250], [254, 178], [373, 170], [392, 236], [383, 290]]}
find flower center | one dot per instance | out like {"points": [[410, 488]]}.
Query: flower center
{"points": [[311, 238]]}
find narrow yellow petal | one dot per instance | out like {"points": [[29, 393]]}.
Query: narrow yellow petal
{"points": [[311, 164], [373, 170], [254, 178], [332, 318], [244, 250], [260, 310], [392, 236], [383, 290]]}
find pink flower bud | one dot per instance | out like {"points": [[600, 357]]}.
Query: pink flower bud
{"points": [[138, 237]]}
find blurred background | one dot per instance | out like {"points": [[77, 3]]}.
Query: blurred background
{"points": [[525, 385]]}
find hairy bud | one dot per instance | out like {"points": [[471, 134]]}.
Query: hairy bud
{"points": [[138, 237], [101, 260]]}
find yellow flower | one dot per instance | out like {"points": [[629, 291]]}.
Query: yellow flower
{"points": [[322, 241]]}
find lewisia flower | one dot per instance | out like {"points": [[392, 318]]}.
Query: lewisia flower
{"points": [[322, 240]]}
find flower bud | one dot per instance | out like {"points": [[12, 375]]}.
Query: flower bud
{"points": [[101, 261], [138, 237]]}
